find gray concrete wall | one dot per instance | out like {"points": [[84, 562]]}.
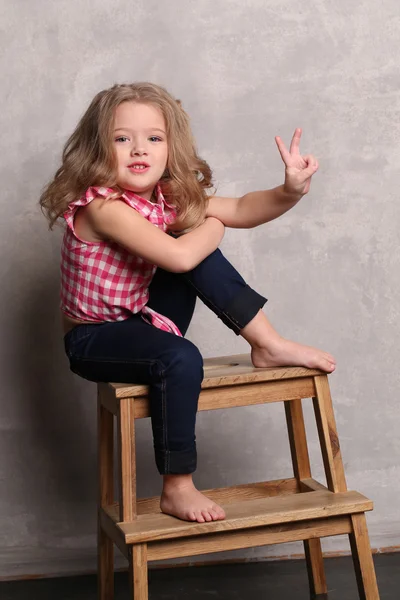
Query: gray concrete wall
{"points": [[246, 71]]}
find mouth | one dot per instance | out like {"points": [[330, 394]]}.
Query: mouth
{"points": [[139, 167]]}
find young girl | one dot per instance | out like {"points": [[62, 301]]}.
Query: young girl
{"points": [[141, 243]]}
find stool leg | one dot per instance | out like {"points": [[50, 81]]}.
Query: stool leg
{"points": [[362, 558], [138, 572], [315, 569], [105, 566], [105, 550], [127, 460], [302, 470], [328, 436]]}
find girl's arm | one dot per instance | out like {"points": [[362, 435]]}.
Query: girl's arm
{"points": [[256, 208], [114, 220], [253, 208]]}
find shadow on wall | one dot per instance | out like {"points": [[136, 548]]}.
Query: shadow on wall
{"points": [[58, 453]]}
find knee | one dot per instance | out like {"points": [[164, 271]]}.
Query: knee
{"points": [[186, 361]]}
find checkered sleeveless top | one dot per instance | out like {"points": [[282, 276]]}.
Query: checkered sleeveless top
{"points": [[101, 281]]}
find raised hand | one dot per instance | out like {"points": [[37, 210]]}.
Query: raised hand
{"points": [[298, 169]]}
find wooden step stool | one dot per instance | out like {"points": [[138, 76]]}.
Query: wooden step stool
{"points": [[257, 514]]}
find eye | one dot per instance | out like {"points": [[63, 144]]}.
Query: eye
{"points": [[155, 138], [121, 138]]}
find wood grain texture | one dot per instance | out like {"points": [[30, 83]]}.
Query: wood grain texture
{"points": [[242, 395], [315, 567], [252, 513], [127, 459], [362, 558], [105, 455], [107, 524], [225, 496], [311, 485], [107, 397], [297, 439], [226, 371], [260, 536], [105, 565], [105, 550], [138, 572], [328, 436], [302, 469]]}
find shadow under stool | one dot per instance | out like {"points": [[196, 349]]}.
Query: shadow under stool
{"points": [[257, 514]]}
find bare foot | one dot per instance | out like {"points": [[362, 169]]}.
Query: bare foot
{"points": [[181, 499], [284, 353], [269, 349]]}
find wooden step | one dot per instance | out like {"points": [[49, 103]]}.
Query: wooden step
{"points": [[229, 382], [245, 514], [227, 371], [233, 494], [230, 495]]}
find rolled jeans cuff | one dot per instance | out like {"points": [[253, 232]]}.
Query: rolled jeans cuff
{"points": [[170, 462], [242, 309]]}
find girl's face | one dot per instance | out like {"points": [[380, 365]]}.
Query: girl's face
{"points": [[140, 142]]}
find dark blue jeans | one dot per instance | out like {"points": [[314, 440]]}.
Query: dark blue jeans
{"points": [[133, 351]]}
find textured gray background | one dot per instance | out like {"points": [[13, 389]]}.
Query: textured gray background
{"points": [[245, 71]]}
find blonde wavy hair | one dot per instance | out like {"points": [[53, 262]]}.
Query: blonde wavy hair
{"points": [[89, 159]]}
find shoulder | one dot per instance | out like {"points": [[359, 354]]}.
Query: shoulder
{"points": [[101, 210], [93, 220]]}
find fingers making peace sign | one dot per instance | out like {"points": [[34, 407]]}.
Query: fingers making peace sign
{"points": [[298, 169]]}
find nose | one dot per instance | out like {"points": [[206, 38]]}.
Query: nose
{"points": [[138, 151], [138, 148]]}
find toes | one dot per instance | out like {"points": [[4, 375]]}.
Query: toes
{"points": [[326, 365], [219, 511], [199, 516], [206, 515], [214, 513], [330, 358]]}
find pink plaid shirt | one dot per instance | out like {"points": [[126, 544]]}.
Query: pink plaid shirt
{"points": [[101, 281]]}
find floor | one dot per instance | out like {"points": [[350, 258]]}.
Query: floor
{"points": [[254, 581]]}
